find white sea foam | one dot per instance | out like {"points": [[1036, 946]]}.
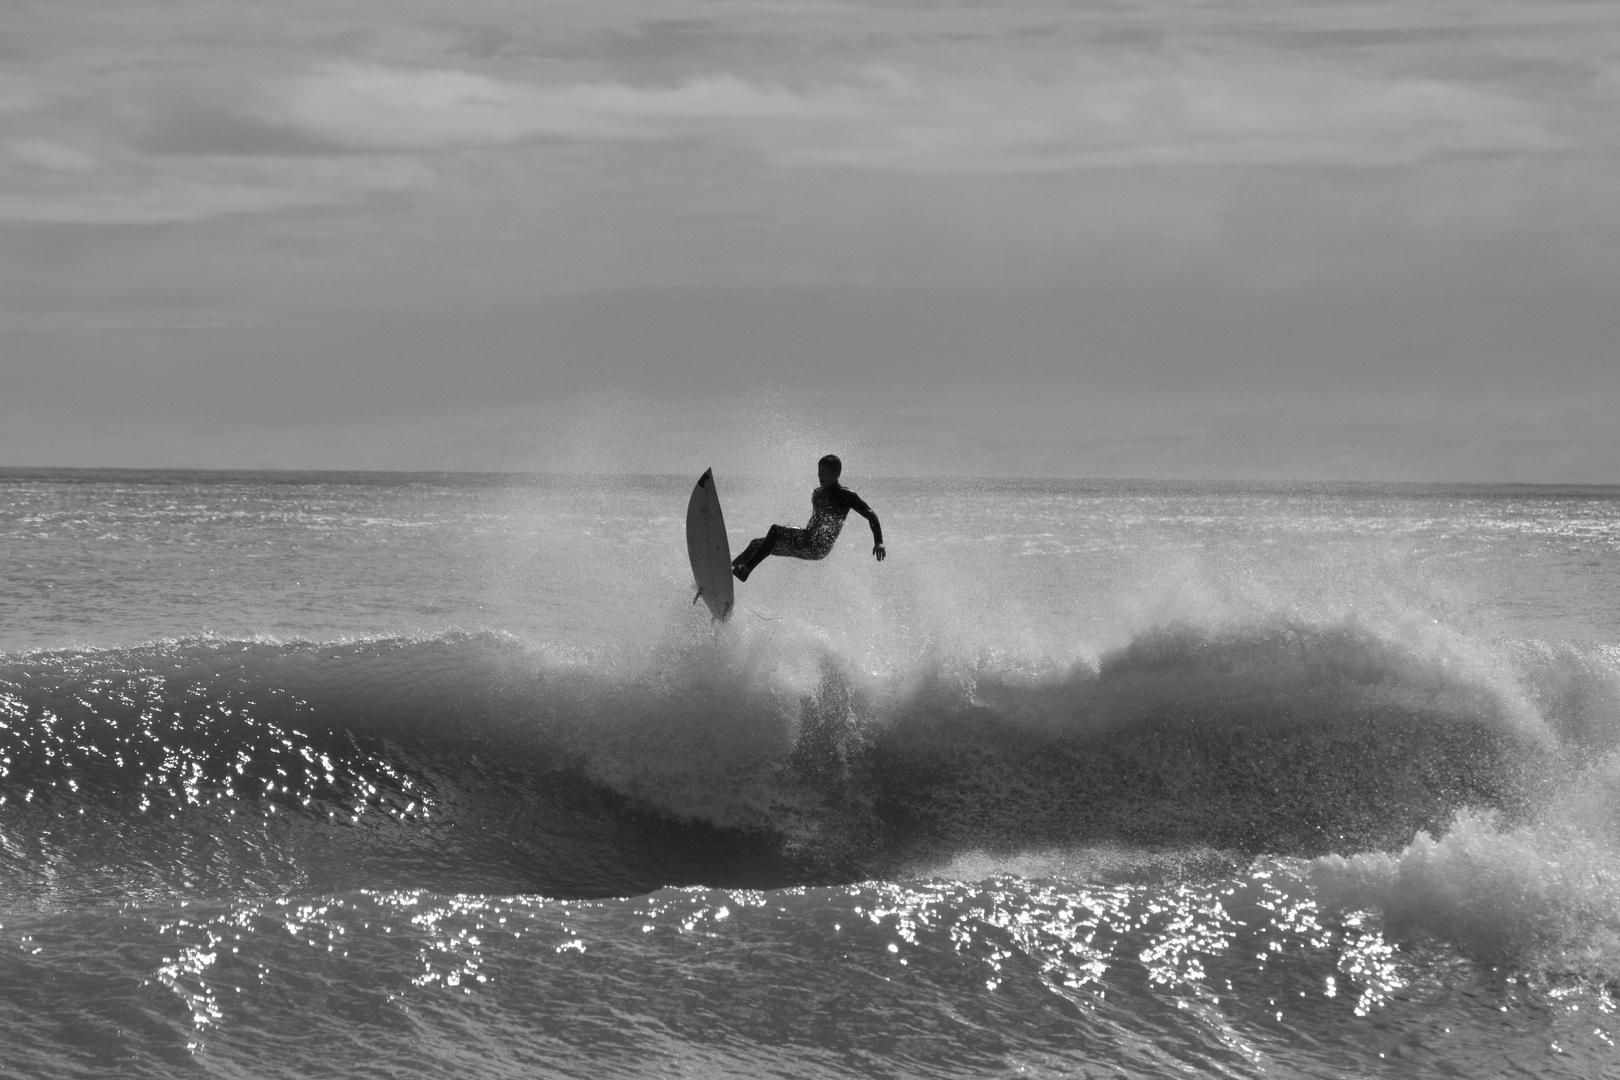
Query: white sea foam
{"points": [[1543, 894]]}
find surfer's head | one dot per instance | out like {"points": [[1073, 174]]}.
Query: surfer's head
{"points": [[829, 468]]}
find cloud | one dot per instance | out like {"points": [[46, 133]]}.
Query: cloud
{"points": [[173, 199], [1160, 113], [19, 93], [168, 139], [156, 205], [372, 107], [44, 154], [1141, 112]]}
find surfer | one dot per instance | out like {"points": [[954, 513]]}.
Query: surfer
{"points": [[830, 504]]}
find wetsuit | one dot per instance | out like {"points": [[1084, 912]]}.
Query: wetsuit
{"points": [[829, 506]]}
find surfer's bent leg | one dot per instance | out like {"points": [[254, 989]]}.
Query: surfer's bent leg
{"points": [[782, 540]]}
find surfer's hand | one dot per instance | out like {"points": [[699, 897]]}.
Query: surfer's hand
{"points": [[877, 552]]}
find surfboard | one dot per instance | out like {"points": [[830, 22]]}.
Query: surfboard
{"points": [[708, 548]]}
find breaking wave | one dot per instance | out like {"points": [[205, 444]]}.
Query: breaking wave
{"points": [[478, 761]]}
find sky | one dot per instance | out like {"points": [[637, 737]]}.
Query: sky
{"points": [[1237, 239]]}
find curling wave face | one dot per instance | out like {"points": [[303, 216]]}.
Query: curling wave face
{"points": [[473, 762]]}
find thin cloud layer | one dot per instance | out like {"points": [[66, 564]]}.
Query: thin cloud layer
{"points": [[1196, 113], [19, 93], [372, 107], [45, 154], [1148, 114], [172, 201]]}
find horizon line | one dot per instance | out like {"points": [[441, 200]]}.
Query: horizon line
{"points": [[12, 473]]}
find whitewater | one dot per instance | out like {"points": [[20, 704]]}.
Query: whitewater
{"points": [[415, 775]]}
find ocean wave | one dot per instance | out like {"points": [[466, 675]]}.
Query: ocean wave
{"points": [[758, 758]]}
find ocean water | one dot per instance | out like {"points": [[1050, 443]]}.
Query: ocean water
{"points": [[427, 775]]}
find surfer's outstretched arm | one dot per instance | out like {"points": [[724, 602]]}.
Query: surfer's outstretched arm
{"points": [[858, 504]]}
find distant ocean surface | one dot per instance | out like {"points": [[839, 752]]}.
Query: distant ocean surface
{"points": [[389, 775]]}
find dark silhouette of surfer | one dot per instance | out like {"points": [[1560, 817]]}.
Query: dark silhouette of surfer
{"points": [[830, 504]]}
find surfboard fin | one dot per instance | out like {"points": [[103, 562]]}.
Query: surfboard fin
{"points": [[698, 597]]}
